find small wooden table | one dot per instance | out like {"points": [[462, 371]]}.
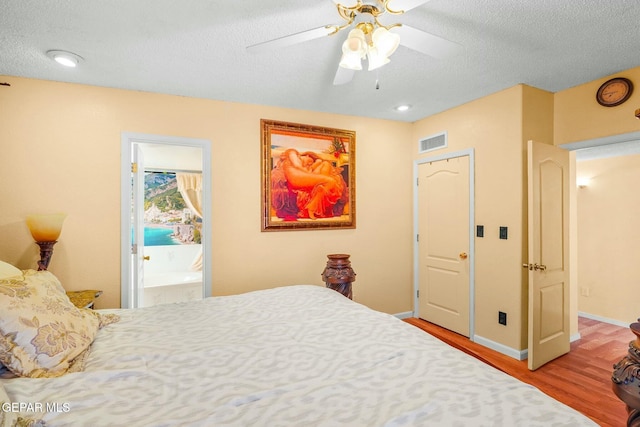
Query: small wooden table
{"points": [[84, 299]]}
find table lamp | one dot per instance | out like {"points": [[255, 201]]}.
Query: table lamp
{"points": [[45, 229]]}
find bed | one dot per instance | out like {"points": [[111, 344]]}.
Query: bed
{"points": [[299, 355]]}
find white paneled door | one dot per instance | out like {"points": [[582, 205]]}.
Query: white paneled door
{"points": [[443, 243], [548, 263]]}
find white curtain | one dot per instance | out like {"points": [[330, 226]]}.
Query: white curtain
{"points": [[190, 187]]}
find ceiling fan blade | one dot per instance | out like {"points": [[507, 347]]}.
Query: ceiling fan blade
{"points": [[404, 5], [343, 75], [291, 39], [426, 43]]}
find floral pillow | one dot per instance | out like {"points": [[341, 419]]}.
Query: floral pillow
{"points": [[8, 270], [41, 331]]}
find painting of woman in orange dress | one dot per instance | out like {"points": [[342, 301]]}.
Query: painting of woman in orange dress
{"points": [[308, 180], [305, 186]]}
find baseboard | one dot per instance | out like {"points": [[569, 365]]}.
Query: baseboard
{"points": [[604, 319], [501, 348], [575, 337], [404, 315]]}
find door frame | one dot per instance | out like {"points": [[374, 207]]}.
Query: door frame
{"points": [[127, 140], [416, 256]]}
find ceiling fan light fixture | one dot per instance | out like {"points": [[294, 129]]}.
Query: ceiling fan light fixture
{"points": [[351, 61], [356, 42], [386, 41], [376, 58], [354, 49], [369, 38]]}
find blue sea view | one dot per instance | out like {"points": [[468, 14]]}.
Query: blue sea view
{"points": [[158, 236]]}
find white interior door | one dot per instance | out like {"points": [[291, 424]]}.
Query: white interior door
{"points": [[443, 243], [137, 212], [548, 263]]}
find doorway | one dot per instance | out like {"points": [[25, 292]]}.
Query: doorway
{"points": [[444, 273], [165, 245], [606, 169]]}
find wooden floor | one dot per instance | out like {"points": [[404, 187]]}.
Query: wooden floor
{"points": [[580, 379]]}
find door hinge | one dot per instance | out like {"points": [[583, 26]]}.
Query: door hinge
{"points": [[418, 293], [417, 181], [134, 248], [417, 237], [134, 167]]}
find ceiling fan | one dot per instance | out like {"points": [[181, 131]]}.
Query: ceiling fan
{"points": [[369, 38]]}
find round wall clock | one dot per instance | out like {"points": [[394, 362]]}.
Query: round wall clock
{"points": [[614, 92]]}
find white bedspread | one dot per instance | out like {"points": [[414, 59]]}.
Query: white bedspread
{"points": [[292, 356]]}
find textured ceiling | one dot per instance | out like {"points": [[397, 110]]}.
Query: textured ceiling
{"points": [[197, 48]]}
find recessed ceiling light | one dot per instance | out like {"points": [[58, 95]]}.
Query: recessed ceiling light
{"points": [[404, 107], [62, 57]]}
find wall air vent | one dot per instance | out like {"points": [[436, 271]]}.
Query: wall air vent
{"points": [[433, 142]]}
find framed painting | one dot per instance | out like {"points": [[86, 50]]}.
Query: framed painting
{"points": [[308, 177]]}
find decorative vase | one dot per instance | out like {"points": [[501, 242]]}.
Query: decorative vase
{"points": [[338, 274]]}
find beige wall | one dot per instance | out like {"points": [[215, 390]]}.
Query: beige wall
{"points": [[578, 117], [61, 152], [608, 235], [495, 126]]}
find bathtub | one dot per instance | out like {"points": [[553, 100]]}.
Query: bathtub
{"points": [[177, 286], [172, 278]]}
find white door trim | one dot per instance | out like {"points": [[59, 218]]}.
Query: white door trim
{"points": [[619, 140], [127, 139], [416, 279]]}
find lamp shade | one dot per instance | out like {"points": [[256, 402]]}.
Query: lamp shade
{"points": [[351, 61], [356, 42], [376, 59], [353, 49], [385, 41], [45, 227]]}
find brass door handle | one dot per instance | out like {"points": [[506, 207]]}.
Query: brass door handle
{"points": [[463, 255], [535, 267], [146, 258]]}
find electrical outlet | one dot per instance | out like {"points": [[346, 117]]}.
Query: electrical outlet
{"points": [[502, 318]]}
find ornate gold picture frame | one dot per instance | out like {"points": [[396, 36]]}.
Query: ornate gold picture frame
{"points": [[308, 177]]}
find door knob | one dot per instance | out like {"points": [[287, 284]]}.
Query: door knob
{"points": [[535, 266], [146, 258], [463, 255]]}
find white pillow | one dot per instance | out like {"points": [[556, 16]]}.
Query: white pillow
{"points": [[8, 270]]}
